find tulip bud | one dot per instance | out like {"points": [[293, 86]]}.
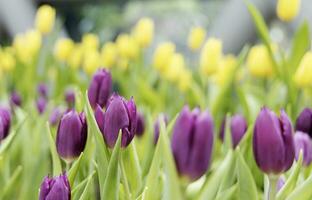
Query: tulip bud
{"points": [[42, 90], [63, 49], [45, 18], [5, 123], [210, 56], [302, 142], [109, 54], [55, 116], [70, 98], [41, 104], [15, 99], [192, 142], [71, 135], [56, 188], [196, 38], [100, 88], [163, 55], [273, 144], [157, 126], [140, 127], [304, 121], [143, 32], [287, 9], [303, 75], [120, 115]]}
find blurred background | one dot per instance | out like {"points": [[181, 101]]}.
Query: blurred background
{"points": [[228, 20]]}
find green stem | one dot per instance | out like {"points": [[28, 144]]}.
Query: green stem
{"points": [[272, 187], [124, 180]]}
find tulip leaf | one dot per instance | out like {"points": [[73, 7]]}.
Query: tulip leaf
{"points": [[228, 194], [57, 167], [84, 194], [74, 170], [132, 168], [210, 189], [102, 155], [10, 185], [247, 188], [111, 184], [303, 191], [142, 195], [172, 187]]}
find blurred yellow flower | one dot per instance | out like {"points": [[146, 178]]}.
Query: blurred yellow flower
{"points": [[196, 38], [185, 80], [75, 58], [226, 70], [259, 61], [210, 56], [45, 18], [287, 9], [90, 42], [91, 61], [176, 66], [34, 40], [7, 60], [109, 54], [143, 32], [123, 63], [163, 55], [127, 46], [303, 75], [63, 48]]}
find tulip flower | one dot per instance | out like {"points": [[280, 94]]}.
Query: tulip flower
{"points": [[127, 46], [5, 123], [42, 90], [303, 142], [143, 32], [55, 116], [15, 99], [90, 42], [273, 144], [70, 98], [304, 121], [63, 49], [56, 188], [100, 88], [238, 128], [91, 61], [7, 60], [120, 115], [41, 104], [163, 55], [196, 38], [71, 135], [303, 75], [45, 18], [109, 54], [157, 126], [140, 127], [210, 56], [192, 142], [287, 10]]}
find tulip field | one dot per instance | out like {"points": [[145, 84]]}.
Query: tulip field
{"points": [[90, 120]]}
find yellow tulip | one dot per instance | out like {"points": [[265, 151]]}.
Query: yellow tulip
{"points": [[63, 49], [75, 58], [259, 61], [196, 38], [127, 46], [91, 61], [34, 40], [109, 54], [210, 56], [226, 70], [7, 60], [287, 10], [143, 32], [45, 18], [90, 42], [163, 55], [303, 75], [176, 66], [185, 80]]}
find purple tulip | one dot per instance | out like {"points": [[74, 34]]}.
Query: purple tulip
{"points": [[5, 123], [303, 142], [70, 98], [15, 99], [120, 115], [273, 144], [71, 135], [56, 188], [192, 142], [42, 90], [41, 104], [100, 88], [238, 129], [280, 183], [55, 116], [140, 127], [304, 121], [157, 126]]}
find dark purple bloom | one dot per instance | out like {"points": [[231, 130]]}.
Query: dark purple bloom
{"points": [[55, 116], [71, 135], [192, 142], [5, 123], [56, 188], [41, 104], [140, 127], [42, 90], [100, 88], [273, 144], [280, 183], [120, 115], [15, 99], [303, 142], [157, 126], [70, 98], [304, 121], [238, 128]]}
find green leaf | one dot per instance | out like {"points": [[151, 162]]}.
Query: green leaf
{"points": [[300, 44], [74, 170], [10, 185], [303, 191], [57, 167], [247, 188], [211, 187], [228, 194], [84, 194], [78, 190], [111, 184]]}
